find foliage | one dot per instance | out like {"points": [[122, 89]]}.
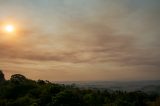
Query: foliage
{"points": [[1, 77], [20, 91]]}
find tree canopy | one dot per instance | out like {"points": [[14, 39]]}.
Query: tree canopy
{"points": [[21, 91], [2, 79]]}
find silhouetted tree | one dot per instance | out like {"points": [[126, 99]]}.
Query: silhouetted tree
{"points": [[2, 79], [18, 78]]}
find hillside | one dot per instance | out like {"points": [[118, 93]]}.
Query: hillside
{"points": [[21, 91]]}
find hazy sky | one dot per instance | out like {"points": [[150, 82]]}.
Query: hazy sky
{"points": [[81, 39]]}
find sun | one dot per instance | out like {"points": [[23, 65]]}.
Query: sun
{"points": [[9, 31], [9, 28]]}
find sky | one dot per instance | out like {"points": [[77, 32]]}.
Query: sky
{"points": [[81, 40]]}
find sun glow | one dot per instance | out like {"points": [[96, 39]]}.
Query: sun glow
{"points": [[9, 28], [8, 31]]}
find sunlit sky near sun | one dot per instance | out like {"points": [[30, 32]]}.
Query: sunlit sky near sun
{"points": [[80, 39], [9, 28]]}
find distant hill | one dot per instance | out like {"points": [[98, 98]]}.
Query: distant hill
{"points": [[146, 86]]}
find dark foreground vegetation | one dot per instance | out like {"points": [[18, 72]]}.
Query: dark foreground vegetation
{"points": [[20, 91]]}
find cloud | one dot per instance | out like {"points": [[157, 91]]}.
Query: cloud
{"points": [[123, 34]]}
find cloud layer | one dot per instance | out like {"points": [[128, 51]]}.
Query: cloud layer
{"points": [[68, 40]]}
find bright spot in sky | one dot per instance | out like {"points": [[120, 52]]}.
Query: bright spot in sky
{"points": [[9, 28]]}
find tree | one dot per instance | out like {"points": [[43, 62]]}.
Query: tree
{"points": [[67, 98], [18, 78], [2, 79], [21, 91]]}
